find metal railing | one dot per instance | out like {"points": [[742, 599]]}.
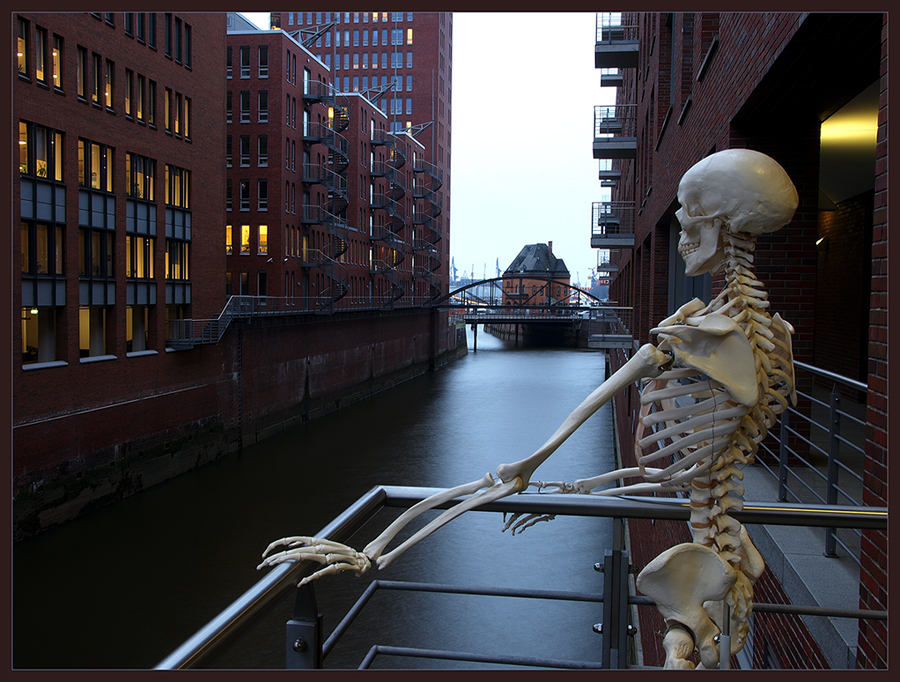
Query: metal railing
{"points": [[306, 646], [614, 121], [821, 447], [613, 27]]}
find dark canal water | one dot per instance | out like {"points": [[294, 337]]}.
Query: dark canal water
{"points": [[124, 586]]}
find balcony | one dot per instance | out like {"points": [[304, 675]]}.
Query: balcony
{"points": [[612, 225], [611, 78], [608, 176], [615, 131], [617, 43]]}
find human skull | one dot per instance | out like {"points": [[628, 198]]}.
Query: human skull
{"points": [[740, 189]]}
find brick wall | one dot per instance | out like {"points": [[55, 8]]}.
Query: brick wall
{"points": [[873, 638]]}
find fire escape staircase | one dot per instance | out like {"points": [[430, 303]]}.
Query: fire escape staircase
{"points": [[428, 207]]}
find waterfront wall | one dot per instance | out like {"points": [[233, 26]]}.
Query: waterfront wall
{"points": [[123, 425]]}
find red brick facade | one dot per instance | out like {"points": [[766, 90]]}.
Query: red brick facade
{"points": [[104, 405], [706, 82]]}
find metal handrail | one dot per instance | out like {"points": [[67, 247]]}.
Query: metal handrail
{"points": [[214, 639], [797, 481]]}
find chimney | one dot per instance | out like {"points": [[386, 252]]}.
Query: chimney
{"points": [[550, 248]]}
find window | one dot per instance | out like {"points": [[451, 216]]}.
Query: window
{"points": [[139, 26], [396, 36], [177, 112], [177, 40], [228, 151], [22, 46], [229, 240], [263, 240], [263, 107], [139, 98], [409, 105], [245, 195], [129, 86], [262, 194], [140, 177], [38, 335], [409, 36], [40, 151], [168, 110], [139, 261], [56, 62], [262, 151], [81, 73], [228, 194], [95, 165], [40, 55], [188, 40], [245, 150], [245, 61], [110, 77], [263, 61], [42, 248], [137, 320], [151, 104], [92, 330], [178, 257], [409, 59], [409, 83], [151, 30], [228, 62], [128, 23], [245, 106], [228, 107], [187, 118], [97, 78], [168, 36], [178, 185], [95, 253], [245, 240]]}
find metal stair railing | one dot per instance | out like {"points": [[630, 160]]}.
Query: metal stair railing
{"points": [[306, 647]]}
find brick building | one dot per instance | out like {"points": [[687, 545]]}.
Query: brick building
{"points": [[401, 62], [786, 84], [532, 267], [141, 347]]}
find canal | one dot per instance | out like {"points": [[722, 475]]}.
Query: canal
{"points": [[125, 585]]}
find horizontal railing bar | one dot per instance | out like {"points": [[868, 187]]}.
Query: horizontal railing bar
{"points": [[491, 591], [624, 506], [474, 658], [825, 374]]}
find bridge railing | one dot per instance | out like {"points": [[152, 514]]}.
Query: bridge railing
{"points": [[306, 646]]}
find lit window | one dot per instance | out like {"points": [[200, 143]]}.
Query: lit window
{"points": [[178, 259], [245, 240], [40, 151], [229, 240], [22, 46], [92, 331], [108, 93], [409, 36], [263, 245]]}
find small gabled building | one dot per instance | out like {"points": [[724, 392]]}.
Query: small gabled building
{"points": [[539, 278]]}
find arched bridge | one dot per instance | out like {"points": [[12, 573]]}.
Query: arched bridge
{"points": [[484, 302]]}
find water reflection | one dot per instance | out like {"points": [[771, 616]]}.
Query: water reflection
{"points": [[137, 579]]}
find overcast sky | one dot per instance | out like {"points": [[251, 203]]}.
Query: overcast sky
{"points": [[524, 90]]}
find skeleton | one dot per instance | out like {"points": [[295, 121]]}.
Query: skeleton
{"points": [[712, 387]]}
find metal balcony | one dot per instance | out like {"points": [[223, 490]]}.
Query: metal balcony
{"points": [[617, 42], [612, 225], [611, 78], [615, 131]]}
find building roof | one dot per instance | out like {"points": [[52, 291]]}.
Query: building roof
{"points": [[537, 259]]}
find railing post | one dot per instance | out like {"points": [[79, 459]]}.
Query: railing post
{"points": [[303, 639], [783, 455], [614, 628], [831, 492]]}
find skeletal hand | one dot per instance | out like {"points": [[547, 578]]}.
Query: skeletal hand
{"points": [[335, 556]]}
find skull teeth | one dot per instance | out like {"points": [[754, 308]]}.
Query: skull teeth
{"points": [[688, 249]]}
